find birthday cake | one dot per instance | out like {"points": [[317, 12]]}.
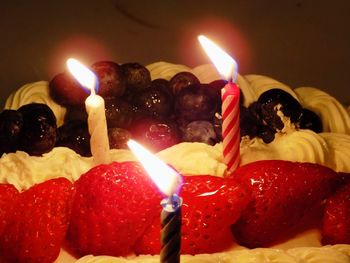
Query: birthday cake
{"points": [[303, 125]]}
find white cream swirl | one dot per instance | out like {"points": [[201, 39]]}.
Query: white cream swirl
{"points": [[23, 170], [35, 92], [329, 254], [334, 116], [297, 146]]}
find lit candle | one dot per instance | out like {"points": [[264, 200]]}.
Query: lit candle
{"points": [[168, 181], [95, 108], [230, 94]]}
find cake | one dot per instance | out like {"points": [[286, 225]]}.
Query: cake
{"points": [[328, 148]]}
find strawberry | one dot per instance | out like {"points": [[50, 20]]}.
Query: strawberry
{"points": [[39, 223], [8, 196], [336, 224], [283, 192], [112, 208], [210, 206]]}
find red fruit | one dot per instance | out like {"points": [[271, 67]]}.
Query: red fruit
{"points": [[114, 204], [8, 196], [283, 193], [40, 220], [336, 222], [110, 78], [66, 90], [210, 206]]}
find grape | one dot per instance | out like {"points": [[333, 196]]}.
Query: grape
{"points": [[11, 122], [75, 135], [154, 134], [39, 130], [110, 78], [182, 80], [66, 90], [195, 102], [137, 76], [118, 138], [119, 113], [200, 131]]}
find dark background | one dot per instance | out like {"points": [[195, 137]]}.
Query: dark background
{"points": [[299, 42]]}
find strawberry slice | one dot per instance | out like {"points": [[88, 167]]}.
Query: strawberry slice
{"points": [[8, 196], [39, 223], [210, 206], [114, 204], [283, 193], [336, 222]]}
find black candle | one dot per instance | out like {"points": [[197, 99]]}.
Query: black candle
{"points": [[171, 229]]}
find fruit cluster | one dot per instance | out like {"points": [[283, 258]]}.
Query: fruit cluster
{"points": [[158, 113]]}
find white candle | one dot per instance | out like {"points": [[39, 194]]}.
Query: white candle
{"points": [[95, 108]]}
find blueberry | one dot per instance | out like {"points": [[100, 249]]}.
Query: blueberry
{"points": [[154, 101], [118, 138], [11, 122], [75, 135], [76, 112], [39, 130], [196, 102], [154, 134], [119, 113], [137, 76], [269, 102], [182, 80], [310, 120], [200, 131], [110, 78]]}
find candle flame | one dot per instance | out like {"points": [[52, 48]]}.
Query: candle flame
{"points": [[82, 74], [166, 178], [225, 64]]}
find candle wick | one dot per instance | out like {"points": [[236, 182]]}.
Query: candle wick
{"points": [[93, 92]]}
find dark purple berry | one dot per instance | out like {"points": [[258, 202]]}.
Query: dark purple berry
{"points": [[200, 131], [182, 80], [137, 76], [111, 80], [11, 123], [118, 138], [310, 120], [77, 112], [195, 102], [155, 135], [39, 130], [119, 113], [66, 90], [75, 135], [154, 101]]}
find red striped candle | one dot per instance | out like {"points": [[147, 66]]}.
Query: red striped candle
{"points": [[230, 94], [230, 125]]}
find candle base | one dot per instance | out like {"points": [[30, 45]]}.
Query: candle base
{"points": [[171, 230]]}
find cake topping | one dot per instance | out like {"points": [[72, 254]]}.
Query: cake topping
{"points": [[39, 131]]}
